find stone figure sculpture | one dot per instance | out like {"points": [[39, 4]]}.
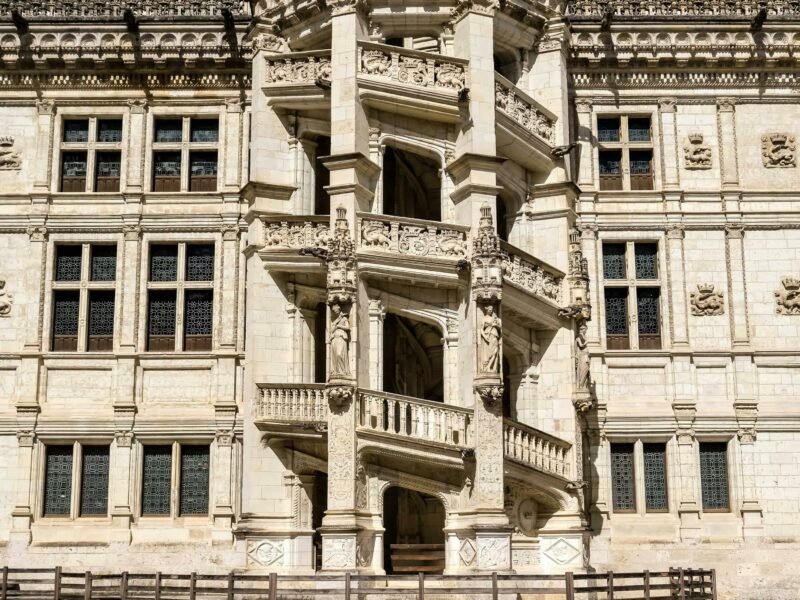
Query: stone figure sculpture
{"points": [[490, 340], [583, 374], [340, 342]]}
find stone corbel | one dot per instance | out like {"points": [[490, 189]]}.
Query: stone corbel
{"points": [[746, 417], [685, 413], [491, 394], [340, 396]]}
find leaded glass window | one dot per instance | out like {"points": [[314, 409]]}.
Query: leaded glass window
{"points": [[94, 481], [622, 477], [109, 130], [169, 130], [76, 130], [101, 320], [646, 256], [68, 263], [66, 308], [205, 130], [198, 319], [200, 262], [610, 162], [614, 261], [156, 480], [164, 262], [617, 311], [161, 321], [647, 307], [107, 170], [608, 129], [57, 480], [714, 475], [638, 129], [655, 476], [104, 263], [194, 480], [203, 172], [74, 164]]}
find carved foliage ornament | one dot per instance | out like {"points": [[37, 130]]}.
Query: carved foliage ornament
{"points": [[788, 299], [696, 154], [6, 300], [297, 70], [778, 151], [706, 301], [9, 160]]}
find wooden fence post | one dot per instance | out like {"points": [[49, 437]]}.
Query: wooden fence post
{"points": [[123, 592], [610, 576], [192, 585], [646, 585], [87, 585], [347, 586], [713, 585], [230, 586], [273, 586], [421, 594], [4, 588], [494, 585], [57, 583], [157, 592], [681, 585], [569, 581]]}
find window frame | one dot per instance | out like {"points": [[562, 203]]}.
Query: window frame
{"points": [[92, 147], [180, 286], [639, 482], [186, 147], [729, 488], [84, 286], [625, 146], [633, 284], [175, 479], [76, 490]]}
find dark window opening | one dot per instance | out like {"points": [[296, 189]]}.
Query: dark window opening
{"points": [[655, 477], [200, 262], [647, 300], [66, 308], [320, 345], [198, 317], [411, 185], [104, 263], [614, 261], [73, 171], [94, 481], [194, 480], [205, 130], [203, 171], [167, 172], [502, 219], [68, 263], [58, 481], [76, 131], [156, 480], [610, 169], [109, 167], [412, 359], [169, 130], [714, 475], [617, 318], [608, 129], [322, 178], [641, 165], [395, 41], [109, 130], [164, 262], [161, 313], [638, 129], [623, 483], [101, 321], [646, 261]]}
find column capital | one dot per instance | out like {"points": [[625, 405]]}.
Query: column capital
{"points": [[676, 231], [727, 104], [45, 107], [734, 231], [137, 106], [583, 105], [667, 105]]}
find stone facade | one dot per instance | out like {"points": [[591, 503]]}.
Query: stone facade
{"points": [[525, 274]]}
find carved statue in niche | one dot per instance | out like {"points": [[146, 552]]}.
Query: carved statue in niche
{"points": [[582, 361], [696, 154], [490, 335], [340, 342], [778, 150], [788, 299], [706, 301], [6, 300], [9, 160]]}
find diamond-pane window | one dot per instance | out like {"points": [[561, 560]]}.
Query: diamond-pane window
{"points": [[164, 262], [655, 476], [647, 307], [622, 478], [617, 311], [68, 263], [156, 480], [104, 263], [57, 480], [76, 130], [194, 480], [109, 130], [614, 261], [200, 262], [66, 308], [646, 261], [161, 321], [198, 319], [94, 481], [101, 320], [714, 475]]}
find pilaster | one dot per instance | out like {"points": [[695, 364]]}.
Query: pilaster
{"points": [[688, 503], [586, 181], [737, 291], [137, 125], [669, 143], [726, 125], [677, 285]]}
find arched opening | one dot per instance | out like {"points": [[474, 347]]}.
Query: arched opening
{"points": [[414, 532], [411, 186], [413, 359]]}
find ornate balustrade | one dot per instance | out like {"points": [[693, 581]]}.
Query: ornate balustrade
{"points": [[117, 8], [536, 449], [524, 110], [531, 274], [297, 68], [413, 237], [670, 8], [412, 67], [413, 418], [296, 233], [291, 403]]}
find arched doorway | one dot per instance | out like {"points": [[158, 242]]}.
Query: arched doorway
{"points": [[414, 532]]}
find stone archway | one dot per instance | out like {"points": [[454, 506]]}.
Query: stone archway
{"points": [[414, 538]]}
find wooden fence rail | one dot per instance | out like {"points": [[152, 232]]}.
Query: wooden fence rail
{"points": [[60, 584]]}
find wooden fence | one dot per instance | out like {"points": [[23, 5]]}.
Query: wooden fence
{"points": [[60, 584]]}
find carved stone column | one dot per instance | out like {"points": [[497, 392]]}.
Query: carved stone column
{"points": [[377, 314], [734, 254], [726, 124]]}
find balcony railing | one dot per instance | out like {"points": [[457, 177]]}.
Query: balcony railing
{"points": [[413, 418], [531, 274], [298, 68], [536, 449], [291, 403], [412, 67], [411, 236], [524, 110], [296, 233]]}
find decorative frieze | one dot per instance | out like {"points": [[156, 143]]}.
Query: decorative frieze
{"points": [[778, 150], [670, 8], [524, 110], [707, 301], [529, 275], [117, 8], [298, 68], [411, 67], [412, 237], [302, 233], [788, 298], [696, 153]]}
